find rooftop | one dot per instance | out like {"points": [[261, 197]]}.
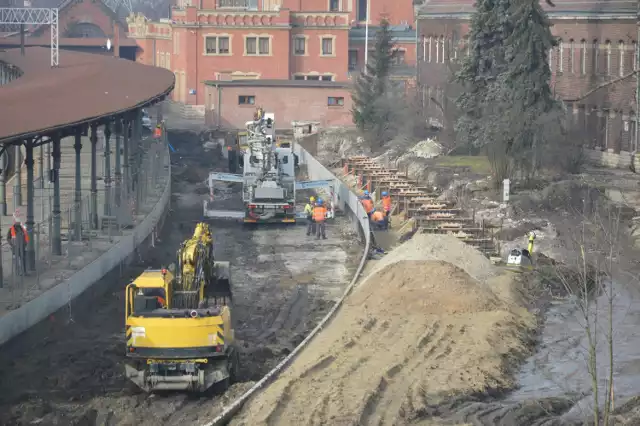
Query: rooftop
{"points": [[586, 8], [401, 33], [279, 83], [84, 88]]}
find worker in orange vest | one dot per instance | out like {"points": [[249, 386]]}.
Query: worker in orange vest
{"points": [[367, 203], [379, 220], [18, 239], [386, 203], [319, 217]]}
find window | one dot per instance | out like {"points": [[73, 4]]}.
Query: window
{"points": [[594, 57], [583, 57], [299, 46], [246, 100], [635, 55], [251, 45], [263, 46], [327, 46], [572, 56], [298, 77], [398, 57], [313, 77], [608, 64], [334, 5], [621, 52], [333, 101], [437, 50], [327, 78], [560, 56], [353, 60], [216, 45], [258, 45]]}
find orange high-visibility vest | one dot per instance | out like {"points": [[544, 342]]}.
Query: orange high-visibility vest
{"points": [[367, 204], [319, 213], [377, 216], [157, 132], [386, 203], [26, 235]]}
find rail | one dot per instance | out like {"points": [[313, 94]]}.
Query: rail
{"points": [[345, 198]]}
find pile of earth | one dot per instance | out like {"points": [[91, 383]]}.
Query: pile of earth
{"points": [[417, 331]]}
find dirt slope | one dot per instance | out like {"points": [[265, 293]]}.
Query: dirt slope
{"points": [[413, 333]]}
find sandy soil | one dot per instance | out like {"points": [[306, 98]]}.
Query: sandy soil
{"points": [[414, 333], [69, 370]]}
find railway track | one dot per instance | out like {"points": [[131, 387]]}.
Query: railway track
{"points": [[69, 369]]}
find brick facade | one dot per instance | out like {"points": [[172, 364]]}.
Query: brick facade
{"points": [[264, 40], [231, 104], [595, 47]]}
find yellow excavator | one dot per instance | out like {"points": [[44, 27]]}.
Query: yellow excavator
{"points": [[178, 327]]}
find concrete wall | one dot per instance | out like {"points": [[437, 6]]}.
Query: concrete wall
{"points": [[29, 314], [621, 160]]}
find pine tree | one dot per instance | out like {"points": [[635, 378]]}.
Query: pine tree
{"points": [[371, 86], [490, 26], [527, 80]]}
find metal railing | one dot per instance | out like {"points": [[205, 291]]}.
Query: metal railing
{"points": [[84, 233]]}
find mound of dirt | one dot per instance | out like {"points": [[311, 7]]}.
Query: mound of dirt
{"points": [[440, 247], [415, 332]]}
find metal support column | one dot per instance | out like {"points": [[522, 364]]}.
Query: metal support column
{"points": [[78, 190], [41, 168], [56, 240], [118, 171], [31, 249], [4, 162], [17, 181], [94, 177], [107, 170], [126, 174], [137, 163]]}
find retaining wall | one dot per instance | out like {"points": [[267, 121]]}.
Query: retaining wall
{"points": [[34, 311], [349, 203]]}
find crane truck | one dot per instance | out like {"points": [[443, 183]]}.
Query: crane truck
{"points": [[268, 176], [178, 327]]}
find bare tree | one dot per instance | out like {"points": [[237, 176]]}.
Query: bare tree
{"points": [[599, 248]]}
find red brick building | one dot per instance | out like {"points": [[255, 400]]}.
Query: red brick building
{"points": [[275, 52], [83, 25], [597, 45]]}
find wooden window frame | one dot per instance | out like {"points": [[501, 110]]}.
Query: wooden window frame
{"points": [[306, 45], [205, 38], [322, 38], [257, 38]]}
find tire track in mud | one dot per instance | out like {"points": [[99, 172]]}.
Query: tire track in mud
{"points": [[71, 372]]}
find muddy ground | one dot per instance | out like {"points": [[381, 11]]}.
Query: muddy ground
{"points": [[69, 369], [553, 384]]}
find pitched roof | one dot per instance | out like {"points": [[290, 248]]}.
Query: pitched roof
{"points": [[38, 30]]}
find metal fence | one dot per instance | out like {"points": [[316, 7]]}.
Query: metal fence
{"points": [[87, 228]]}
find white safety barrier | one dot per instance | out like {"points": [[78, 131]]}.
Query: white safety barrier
{"points": [[32, 312], [347, 201]]}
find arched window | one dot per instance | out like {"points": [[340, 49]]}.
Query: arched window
{"points": [[560, 56], [437, 49], [595, 57], [583, 56], [621, 53], [608, 52], [442, 44], [572, 56], [429, 49]]}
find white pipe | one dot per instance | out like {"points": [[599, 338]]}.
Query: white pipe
{"points": [[366, 36]]}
